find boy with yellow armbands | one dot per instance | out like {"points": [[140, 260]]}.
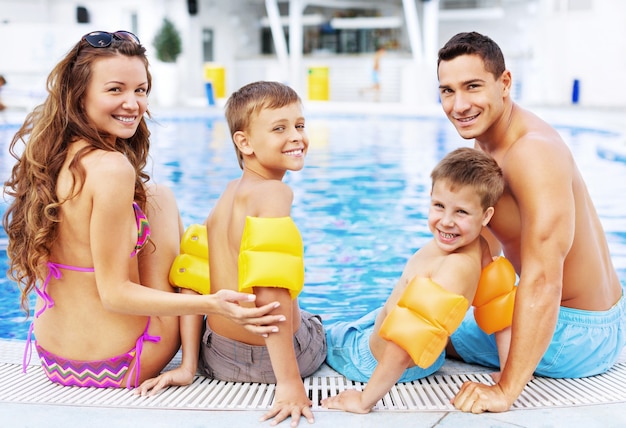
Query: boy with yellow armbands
{"points": [[405, 339], [254, 246]]}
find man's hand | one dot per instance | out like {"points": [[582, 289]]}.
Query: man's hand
{"points": [[478, 398]]}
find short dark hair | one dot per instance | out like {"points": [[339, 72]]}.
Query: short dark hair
{"points": [[474, 43]]}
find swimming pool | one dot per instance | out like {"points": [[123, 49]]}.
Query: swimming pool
{"points": [[361, 202]]}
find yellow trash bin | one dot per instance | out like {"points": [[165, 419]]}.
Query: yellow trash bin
{"points": [[318, 83], [216, 74]]}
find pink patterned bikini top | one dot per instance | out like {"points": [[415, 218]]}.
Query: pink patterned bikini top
{"points": [[143, 236], [143, 229], [54, 270]]}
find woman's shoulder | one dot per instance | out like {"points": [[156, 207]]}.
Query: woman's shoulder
{"points": [[106, 163], [108, 170]]}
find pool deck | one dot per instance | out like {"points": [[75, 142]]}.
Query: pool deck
{"points": [[15, 415], [28, 415], [23, 401]]}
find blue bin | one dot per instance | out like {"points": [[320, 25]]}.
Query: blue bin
{"points": [[209, 93], [576, 91]]}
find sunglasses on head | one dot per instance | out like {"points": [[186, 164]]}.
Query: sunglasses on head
{"points": [[102, 39]]}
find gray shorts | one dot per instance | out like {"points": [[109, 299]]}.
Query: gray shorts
{"points": [[229, 360]]}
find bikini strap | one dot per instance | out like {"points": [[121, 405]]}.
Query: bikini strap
{"points": [[138, 350], [54, 270], [143, 229], [28, 349]]}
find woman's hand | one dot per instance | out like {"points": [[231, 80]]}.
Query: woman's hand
{"points": [[177, 377], [256, 320]]}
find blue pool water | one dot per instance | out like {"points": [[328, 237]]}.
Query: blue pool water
{"points": [[361, 202]]}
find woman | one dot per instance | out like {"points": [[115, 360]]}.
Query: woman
{"points": [[106, 315]]}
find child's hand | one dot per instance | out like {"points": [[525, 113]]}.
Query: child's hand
{"points": [[348, 400], [290, 400], [177, 377]]}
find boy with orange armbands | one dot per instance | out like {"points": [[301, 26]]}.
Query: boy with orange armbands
{"points": [[405, 339]]}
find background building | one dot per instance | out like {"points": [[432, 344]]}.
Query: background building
{"points": [[548, 44]]}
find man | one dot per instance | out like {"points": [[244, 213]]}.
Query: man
{"points": [[569, 316]]}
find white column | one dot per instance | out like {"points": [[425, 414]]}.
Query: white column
{"points": [[413, 28], [431, 30], [296, 8], [431, 47], [278, 36]]}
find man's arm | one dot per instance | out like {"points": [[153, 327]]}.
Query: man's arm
{"points": [[539, 176], [545, 198]]}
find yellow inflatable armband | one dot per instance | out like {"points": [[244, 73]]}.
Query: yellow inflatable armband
{"points": [[425, 316], [191, 267], [495, 297], [271, 255]]}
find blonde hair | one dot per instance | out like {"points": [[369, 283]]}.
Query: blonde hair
{"points": [[250, 100], [471, 167]]}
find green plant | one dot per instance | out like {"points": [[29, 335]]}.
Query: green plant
{"points": [[167, 42]]}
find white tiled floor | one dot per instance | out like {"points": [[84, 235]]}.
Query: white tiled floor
{"points": [[19, 415], [28, 415]]}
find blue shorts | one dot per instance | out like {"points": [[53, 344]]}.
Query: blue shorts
{"points": [[375, 77], [349, 351], [585, 343]]}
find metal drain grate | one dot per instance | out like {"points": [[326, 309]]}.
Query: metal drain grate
{"points": [[430, 394]]}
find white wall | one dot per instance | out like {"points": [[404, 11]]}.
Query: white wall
{"points": [[589, 45], [549, 43], [36, 34], [546, 44]]}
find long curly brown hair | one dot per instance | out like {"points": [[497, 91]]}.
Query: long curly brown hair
{"points": [[41, 146]]}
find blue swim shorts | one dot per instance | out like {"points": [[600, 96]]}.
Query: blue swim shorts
{"points": [[585, 343], [349, 351], [375, 77]]}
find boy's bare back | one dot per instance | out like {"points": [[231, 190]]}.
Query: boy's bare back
{"points": [[243, 197]]}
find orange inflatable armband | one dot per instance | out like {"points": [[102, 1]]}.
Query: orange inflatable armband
{"points": [[425, 316], [495, 296]]}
